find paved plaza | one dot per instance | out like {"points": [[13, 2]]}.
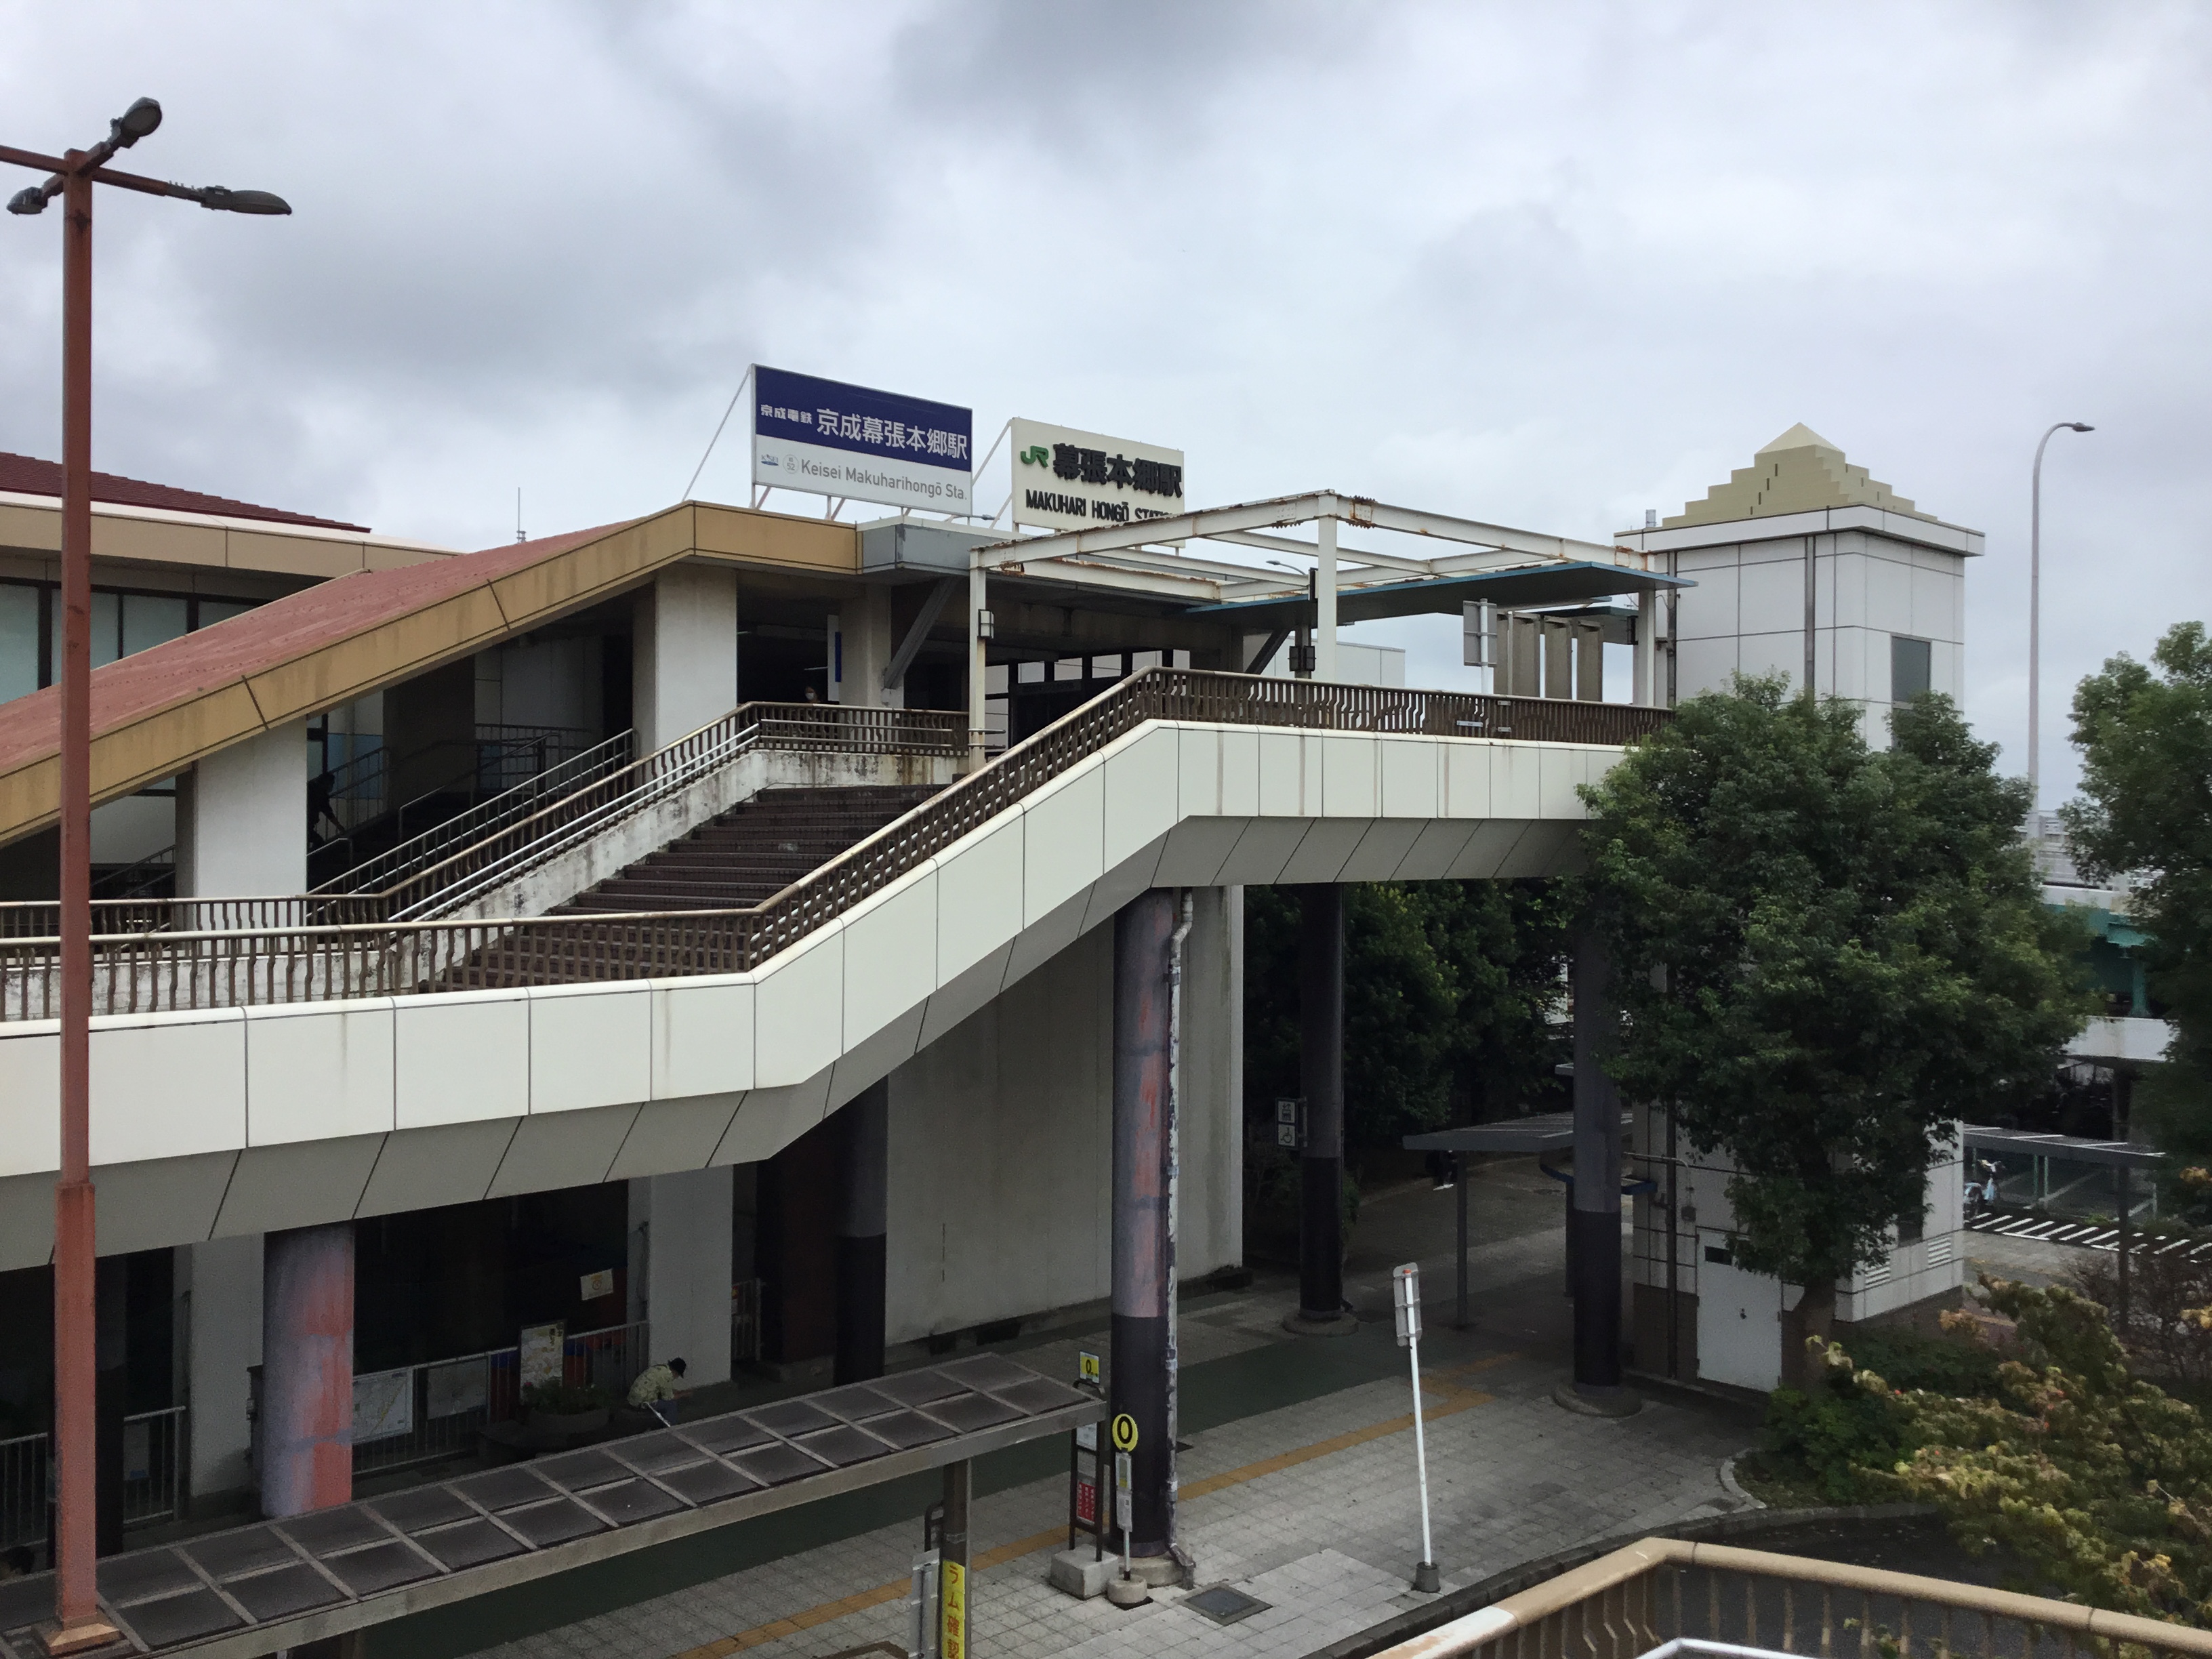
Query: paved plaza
{"points": [[1297, 1489]]}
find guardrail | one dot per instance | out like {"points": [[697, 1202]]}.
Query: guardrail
{"points": [[1663, 1597], [154, 1487], [239, 967]]}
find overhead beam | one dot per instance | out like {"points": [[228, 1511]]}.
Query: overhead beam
{"points": [[940, 595]]}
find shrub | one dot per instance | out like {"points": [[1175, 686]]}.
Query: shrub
{"points": [[566, 1399]]}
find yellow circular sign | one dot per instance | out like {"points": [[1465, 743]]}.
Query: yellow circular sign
{"points": [[1125, 1432]]}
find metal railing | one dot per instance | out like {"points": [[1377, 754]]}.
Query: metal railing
{"points": [[239, 967], [154, 1452], [1663, 1597], [396, 864], [435, 1410]]}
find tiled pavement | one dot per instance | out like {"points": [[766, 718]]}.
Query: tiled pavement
{"points": [[1308, 1506]]}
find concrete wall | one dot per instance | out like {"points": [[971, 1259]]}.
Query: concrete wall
{"points": [[1746, 614], [683, 654], [679, 1268], [1001, 1177], [218, 1287], [242, 818]]}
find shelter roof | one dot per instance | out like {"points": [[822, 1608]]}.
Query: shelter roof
{"points": [[1799, 471], [26, 475]]}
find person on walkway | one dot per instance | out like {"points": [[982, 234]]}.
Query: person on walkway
{"points": [[654, 1384]]}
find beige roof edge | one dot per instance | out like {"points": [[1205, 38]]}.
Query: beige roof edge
{"points": [[145, 747], [312, 533]]}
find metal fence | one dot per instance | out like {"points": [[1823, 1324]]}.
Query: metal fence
{"points": [[244, 966], [426, 1412], [155, 1459], [1664, 1597]]}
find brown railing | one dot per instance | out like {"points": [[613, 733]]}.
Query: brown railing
{"points": [[1666, 1598], [232, 968]]}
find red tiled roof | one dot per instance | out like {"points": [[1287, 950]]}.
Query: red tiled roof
{"points": [[256, 641], [26, 475]]}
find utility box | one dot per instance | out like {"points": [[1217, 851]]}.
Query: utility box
{"points": [[921, 547]]}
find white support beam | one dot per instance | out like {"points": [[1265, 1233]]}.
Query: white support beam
{"points": [[1325, 602]]}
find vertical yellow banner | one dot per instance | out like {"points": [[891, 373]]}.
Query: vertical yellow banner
{"points": [[952, 1598]]}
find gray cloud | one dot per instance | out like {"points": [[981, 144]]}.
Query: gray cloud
{"points": [[1548, 266]]}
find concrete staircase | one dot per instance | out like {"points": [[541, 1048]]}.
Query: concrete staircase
{"points": [[752, 851]]}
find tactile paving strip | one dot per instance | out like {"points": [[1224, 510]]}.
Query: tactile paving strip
{"points": [[272, 1571]]}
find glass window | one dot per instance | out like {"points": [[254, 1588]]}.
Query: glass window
{"points": [[1908, 668], [107, 630], [148, 619], [215, 611], [19, 639]]}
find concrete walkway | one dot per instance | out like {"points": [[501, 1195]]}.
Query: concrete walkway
{"points": [[1298, 1488]]}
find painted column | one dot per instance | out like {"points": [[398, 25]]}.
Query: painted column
{"points": [[1593, 1218], [1143, 931], [1321, 1075], [1325, 600], [865, 1151], [307, 1370]]}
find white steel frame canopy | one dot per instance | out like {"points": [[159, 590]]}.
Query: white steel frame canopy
{"points": [[1152, 545]]}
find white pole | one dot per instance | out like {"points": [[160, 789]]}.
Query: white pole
{"points": [[978, 724], [1325, 596], [1421, 1452]]}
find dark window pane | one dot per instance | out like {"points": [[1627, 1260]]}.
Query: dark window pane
{"points": [[1908, 668], [107, 630], [148, 619], [18, 640]]}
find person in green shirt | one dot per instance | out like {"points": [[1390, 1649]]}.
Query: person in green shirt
{"points": [[656, 1383]]}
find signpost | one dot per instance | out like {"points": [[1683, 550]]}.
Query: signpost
{"points": [[1406, 1302], [540, 1353], [1065, 479], [855, 443]]}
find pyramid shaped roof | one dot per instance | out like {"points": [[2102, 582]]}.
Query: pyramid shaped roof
{"points": [[1800, 471]]}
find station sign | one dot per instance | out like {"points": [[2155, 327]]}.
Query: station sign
{"points": [[828, 438], [1065, 479]]}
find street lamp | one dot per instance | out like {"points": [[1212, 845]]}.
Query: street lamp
{"points": [[2035, 612], [71, 177]]}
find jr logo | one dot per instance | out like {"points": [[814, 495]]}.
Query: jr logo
{"points": [[1036, 455]]}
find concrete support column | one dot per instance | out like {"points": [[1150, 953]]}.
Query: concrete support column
{"points": [[306, 1370], [1320, 1076], [683, 654], [1645, 693], [219, 1293], [1325, 600], [679, 1268], [1594, 1214], [864, 1154], [1143, 934], [869, 642], [242, 818]]}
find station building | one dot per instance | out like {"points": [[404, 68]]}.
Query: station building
{"points": [[702, 932]]}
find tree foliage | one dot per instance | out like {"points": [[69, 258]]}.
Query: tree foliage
{"points": [[1448, 989], [2145, 733], [2099, 1483], [1825, 955]]}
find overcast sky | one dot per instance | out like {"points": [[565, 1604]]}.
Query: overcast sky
{"points": [[1547, 266]]}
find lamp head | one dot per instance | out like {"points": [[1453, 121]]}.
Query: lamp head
{"points": [[29, 199], [242, 201], [134, 124], [2080, 426]]}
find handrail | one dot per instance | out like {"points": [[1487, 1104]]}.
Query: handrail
{"points": [[1628, 1624], [229, 968], [532, 839], [394, 864]]}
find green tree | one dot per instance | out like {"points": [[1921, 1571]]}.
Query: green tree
{"points": [[1448, 989], [1825, 955], [2145, 733]]}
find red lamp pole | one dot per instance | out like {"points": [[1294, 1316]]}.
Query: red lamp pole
{"points": [[78, 1625]]}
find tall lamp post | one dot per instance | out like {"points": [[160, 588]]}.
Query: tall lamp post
{"points": [[2035, 613], [71, 177]]}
